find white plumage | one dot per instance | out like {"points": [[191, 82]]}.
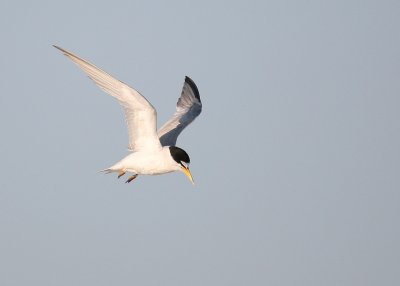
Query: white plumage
{"points": [[153, 152]]}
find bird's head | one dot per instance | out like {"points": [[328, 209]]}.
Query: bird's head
{"points": [[182, 159]]}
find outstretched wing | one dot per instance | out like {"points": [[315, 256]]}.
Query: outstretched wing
{"points": [[140, 115], [187, 109]]}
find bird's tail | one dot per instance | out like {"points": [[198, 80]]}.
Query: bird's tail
{"points": [[106, 171], [113, 169]]}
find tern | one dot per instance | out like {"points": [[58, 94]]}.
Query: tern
{"points": [[152, 152]]}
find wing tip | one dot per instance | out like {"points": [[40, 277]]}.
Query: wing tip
{"points": [[58, 48], [65, 52], [193, 86]]}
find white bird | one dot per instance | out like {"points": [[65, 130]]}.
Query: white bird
{"points": [[152, 152]]}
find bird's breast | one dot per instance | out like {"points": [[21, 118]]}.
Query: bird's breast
{"points": [[149, 163]]}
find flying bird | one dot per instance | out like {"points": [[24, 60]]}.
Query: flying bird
{"points": [[152, 152]]}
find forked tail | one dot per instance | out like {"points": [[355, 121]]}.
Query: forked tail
{"points": [[113, 169], [106, 171]]}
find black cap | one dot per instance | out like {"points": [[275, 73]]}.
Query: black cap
{"points": [[179, 155]]}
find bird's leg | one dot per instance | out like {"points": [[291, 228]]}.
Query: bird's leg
{"points": [[131, 178], [121, 173]]}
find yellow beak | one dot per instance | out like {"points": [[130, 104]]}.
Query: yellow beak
{"points": [[188, 174]]}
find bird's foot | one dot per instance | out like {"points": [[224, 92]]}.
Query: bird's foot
{"points": [[120, 174], [131, 178]]}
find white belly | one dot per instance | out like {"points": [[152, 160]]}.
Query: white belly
{"points": [[148, 163]]}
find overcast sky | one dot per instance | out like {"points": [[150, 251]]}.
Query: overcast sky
{"points": [[295, 156]]}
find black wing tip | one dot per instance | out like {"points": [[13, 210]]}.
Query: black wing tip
{"points": [[65, 52], [193, 86], [59, 48]]}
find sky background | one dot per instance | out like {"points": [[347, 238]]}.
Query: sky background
{"points": [[295, 156]]}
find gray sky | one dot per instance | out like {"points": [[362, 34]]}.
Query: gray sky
{"points": [[295, 156]]}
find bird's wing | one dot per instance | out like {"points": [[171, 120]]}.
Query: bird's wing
{"points": [[187, 109], [141, 117]]}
